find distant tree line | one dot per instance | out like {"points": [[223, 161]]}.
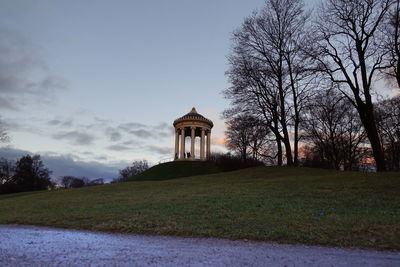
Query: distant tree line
{"points": [[29, 174], [303, 86], [76, 182]]}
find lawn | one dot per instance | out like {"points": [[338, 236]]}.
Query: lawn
{"points": [[283, 204]]}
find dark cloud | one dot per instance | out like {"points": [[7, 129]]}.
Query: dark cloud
{"points": [[162, 126], [101, 158], [131, 126], [62, 165], [133, 130], [8, 103], [134, 145], [102, 121], [119, 147], [124, 146], [50, 82], [54, 122], [67, 123], [147, 131], [75, 137], [163, 129], [59, 122], [131, 142], [21, 125], [142, 133], [159, 150], [113, 134], [168, 131], [19, 59]]}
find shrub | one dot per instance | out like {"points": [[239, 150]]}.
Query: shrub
{"points": [[229, 162]]}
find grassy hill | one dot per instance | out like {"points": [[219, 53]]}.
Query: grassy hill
{"points": [[176, 169], [288, 205]]}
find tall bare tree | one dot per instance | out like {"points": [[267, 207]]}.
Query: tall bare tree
{"points": [[348, 50], [250, 93], [391, 47], [268, 70]]}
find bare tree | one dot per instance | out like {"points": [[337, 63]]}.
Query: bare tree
{"points": [[136, 168], [334, 129], [301, 80], [246, 134], [99, 181], [268, 70], [66, 181], [7, 168], [237, 135], [250, 93], [74, 182], [388, 116], [348, 51], [259, 139], [391, 48]]}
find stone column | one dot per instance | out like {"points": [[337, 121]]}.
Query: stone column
{"points": [[182, 156], [176, 154], [208, 144], [192, 142], [202, 144]]}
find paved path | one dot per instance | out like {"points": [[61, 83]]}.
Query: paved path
{"points": [[39, 246]]}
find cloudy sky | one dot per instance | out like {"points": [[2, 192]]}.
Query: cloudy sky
{"points": [[93, 85]]}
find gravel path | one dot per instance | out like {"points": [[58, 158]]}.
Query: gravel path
{"points": [[39, 246]]}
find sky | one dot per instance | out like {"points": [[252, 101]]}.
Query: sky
{"points": [[93, 85]]}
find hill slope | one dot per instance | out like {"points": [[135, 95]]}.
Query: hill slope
{"points": [[175, 169], [289, 205]]}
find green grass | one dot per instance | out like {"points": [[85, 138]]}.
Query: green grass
{"points": [[176, 169], [265, 203]]}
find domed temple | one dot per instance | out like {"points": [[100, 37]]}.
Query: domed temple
{"points": [[193, 125]]}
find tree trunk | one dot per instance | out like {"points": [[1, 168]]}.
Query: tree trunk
{"points": [[288, 151], [396, 44], [398, 71], [278, 138], [396, 157], [244, 154], [296, 144], [279, 155], [296, 112], [368, 119], [366, 111], [377, 150], [285, 139]]}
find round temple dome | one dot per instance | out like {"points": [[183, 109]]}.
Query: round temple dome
{"points": [[194, 116], [192, 125]]}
